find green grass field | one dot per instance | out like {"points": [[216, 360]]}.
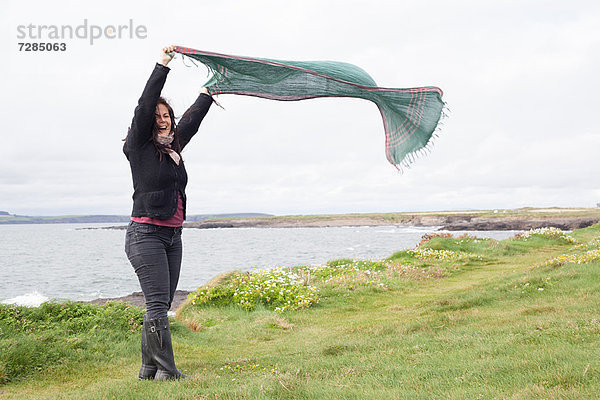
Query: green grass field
{"points": [[456, 318]]}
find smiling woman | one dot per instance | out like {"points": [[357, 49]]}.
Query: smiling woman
{"points": [[153, 240]]}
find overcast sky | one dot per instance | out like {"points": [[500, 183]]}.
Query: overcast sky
{"points": [[521, 80]]}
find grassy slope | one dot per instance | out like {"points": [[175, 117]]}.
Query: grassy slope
{"points": [[484, 331]]}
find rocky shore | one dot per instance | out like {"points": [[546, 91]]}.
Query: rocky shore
{"points": [[484, 224], [451, 221], [137, 299]]}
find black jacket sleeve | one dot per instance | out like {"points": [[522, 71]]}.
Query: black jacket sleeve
{"points": [[191, 119], [140, 130]]}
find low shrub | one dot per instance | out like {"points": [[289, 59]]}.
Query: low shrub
{"points": [[278, 289], [429, 236], [546, 233], [426, 253], [590, 256]]}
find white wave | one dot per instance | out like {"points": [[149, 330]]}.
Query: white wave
{"points": [[33, 299]]}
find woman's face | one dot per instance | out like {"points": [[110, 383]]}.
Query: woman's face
{"points": [[163, 120]]}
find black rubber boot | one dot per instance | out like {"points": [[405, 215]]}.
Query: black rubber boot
{"points": [[161, 349], [148, 369]]}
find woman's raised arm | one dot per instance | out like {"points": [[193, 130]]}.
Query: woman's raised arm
{"points": [[191, 119], [143, 117]]}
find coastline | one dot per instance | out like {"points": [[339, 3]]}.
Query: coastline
{"points": [[507, 220]]}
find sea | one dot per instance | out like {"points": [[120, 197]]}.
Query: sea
{"points": [[80, 262]]}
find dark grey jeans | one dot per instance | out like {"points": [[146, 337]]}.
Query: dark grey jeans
{"points": [[155, 254]]}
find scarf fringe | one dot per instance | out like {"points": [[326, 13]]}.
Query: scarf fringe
{"points": [[411, 157]]}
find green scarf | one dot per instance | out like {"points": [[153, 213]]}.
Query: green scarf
{"points": [[410, 116]]}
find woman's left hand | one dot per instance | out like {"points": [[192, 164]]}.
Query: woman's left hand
{"points": [[203, 90]]}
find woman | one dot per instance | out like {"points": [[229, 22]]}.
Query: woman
{"points": [[153, 242]]}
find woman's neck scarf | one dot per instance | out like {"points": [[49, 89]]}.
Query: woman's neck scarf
{"points": [[166, 141], [410, 116]]}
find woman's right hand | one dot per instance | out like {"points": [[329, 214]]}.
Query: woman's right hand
{"points": [[165, 58]]}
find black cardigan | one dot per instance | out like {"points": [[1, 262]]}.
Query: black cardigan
{"points": [[156, 178]]}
